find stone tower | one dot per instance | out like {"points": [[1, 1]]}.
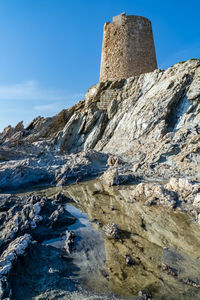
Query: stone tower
{"points": [[128, 48]]}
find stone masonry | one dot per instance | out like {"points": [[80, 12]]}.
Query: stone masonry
{"points": [[128, 48]]}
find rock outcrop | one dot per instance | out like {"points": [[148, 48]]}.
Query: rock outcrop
{"points": [[8, 258], [149, 123], [145, 130], [24, 221]]}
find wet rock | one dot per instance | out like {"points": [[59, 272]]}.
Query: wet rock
{"points": [[9, 257], [69, 241], [146, 128], [169, 270], [19, 220], [5, 290], [155, 194], [113, 161], [129, 260], [113, 176], [197, 200], [111, 230], [198, 219], [187, 189], [144, 295], [59, 217], [15, 249], [61, 198], [151, 201], [33, 215], [191, 282]]}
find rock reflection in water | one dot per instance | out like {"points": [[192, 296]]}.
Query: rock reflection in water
{"points": [[163, 244], [89, 253]]}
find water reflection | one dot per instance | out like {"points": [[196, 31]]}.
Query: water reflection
{"points": [[163, 244]]}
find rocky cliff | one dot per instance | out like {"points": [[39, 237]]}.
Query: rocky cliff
{"points": [[143, 130], [149, 123]]}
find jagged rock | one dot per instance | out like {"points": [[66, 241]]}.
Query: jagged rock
{"points": [[15, 249], [113, 161], [155, 194], [144, 295], [169, 270], [31, 214], [58, 218], [129, 260], [114, 176], [197, 200], [150, 121], [111, 230], [111, 177], [19, 219], [61, 198], [188, 190], [198, 219], [8, 258], [69, 241]]}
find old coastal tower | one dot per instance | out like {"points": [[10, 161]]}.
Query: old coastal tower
{"points": [[128, 48]]}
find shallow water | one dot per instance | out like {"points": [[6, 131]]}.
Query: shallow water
{"points": [[89, 254], [164, 245]]}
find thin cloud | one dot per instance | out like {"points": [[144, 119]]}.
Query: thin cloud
{"points": [[51, 107], [31, 90]]}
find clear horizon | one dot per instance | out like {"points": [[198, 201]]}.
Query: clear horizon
{"points": [[50, 50]]}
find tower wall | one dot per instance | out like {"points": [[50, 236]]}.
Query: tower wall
{"points": [[128, 48]]}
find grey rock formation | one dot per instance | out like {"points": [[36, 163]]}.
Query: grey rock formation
{"points": [[7, 260], [149, 122], [145, 128], [23, 219], [111, 230]]}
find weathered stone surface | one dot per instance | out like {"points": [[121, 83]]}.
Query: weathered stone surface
{"points": [[150, 121], [24, 218], [155, 194], [197, 200], [144, 128], [69, 242], [111, 230], [115, 176], [128, 48], [17, 248], [40, 217]]}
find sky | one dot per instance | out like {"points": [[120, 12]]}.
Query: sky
{"points": [[50, 50]]}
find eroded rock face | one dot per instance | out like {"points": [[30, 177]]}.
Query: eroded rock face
{"points": [[24, 221], [149, 122], [155, 194], [51, 169], [111, 230], [7, 260], [116, 176], [146, 129]]}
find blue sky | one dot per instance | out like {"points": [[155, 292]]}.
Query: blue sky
{"points": [[50, 49]]}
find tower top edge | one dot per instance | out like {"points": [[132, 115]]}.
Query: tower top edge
{"points": [[123, 17]]}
